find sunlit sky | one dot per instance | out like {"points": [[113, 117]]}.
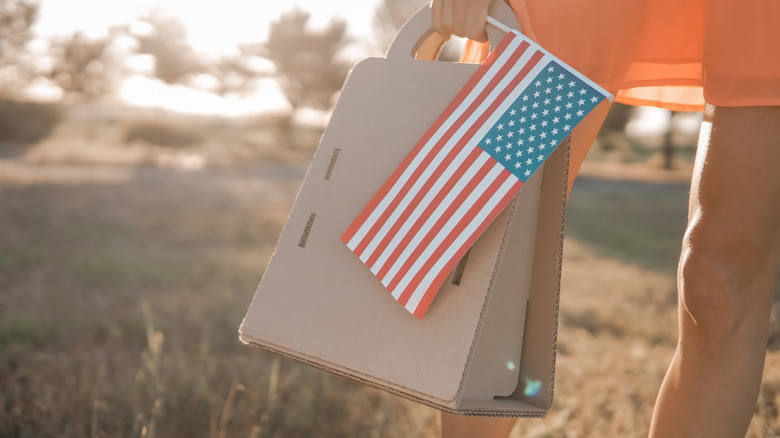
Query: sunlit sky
{"points": [[213, 27]]}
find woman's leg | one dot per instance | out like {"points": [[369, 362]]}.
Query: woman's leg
{"points": [[728, 271], [453, 426]]}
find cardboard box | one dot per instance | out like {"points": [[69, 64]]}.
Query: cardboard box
{"points": [[487, 344]]}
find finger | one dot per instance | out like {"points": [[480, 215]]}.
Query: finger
{"points": [[438, 18], [459, 9], [476, 19]]}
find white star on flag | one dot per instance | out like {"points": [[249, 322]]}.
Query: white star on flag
{"points": [[452, 185]]}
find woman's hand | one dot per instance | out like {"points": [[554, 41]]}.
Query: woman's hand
{"points": [[463, 18]]}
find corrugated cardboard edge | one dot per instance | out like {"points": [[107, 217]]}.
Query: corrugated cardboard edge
{"points": [[564, 202], [514, 413], [486, 412], [388, 387], [496, 269], [502, 413], [371, 381]]}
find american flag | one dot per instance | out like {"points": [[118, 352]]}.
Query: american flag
{"points": [[503, 124]]}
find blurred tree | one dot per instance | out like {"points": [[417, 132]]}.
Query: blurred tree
{"points": [[238, 74], [618, 117], [668, 148], [16, 20], [85, 68], [612, 135], [306, 61], [389, 16], [165, 38]]}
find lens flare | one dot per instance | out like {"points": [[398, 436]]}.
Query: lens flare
{"points": [[510, 366], [532, 387]]}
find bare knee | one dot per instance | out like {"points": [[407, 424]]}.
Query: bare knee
{"points": [[709, 292], [724, 283]]}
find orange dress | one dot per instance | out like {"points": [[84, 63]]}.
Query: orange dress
{"points": [[674, 54]]}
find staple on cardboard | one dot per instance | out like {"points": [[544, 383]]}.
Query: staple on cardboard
{"points": [[332, 164], [306, 231]]}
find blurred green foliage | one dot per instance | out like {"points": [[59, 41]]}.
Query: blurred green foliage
{"points": [[27, 122], [162, 134], [639, 222]]}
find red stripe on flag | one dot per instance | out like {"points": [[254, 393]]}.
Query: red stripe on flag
{"points": [[425, 243], [472, 82], [425, 302], [483, 199], [451, 180], [377, 226], [426, 214], [465, 191], [462, 143]]}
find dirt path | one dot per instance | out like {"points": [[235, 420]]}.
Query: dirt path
{"points": [[17, 171]]}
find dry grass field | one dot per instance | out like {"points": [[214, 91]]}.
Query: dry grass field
{"points": [[122, 288]]}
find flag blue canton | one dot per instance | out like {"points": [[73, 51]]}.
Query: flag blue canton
{"points": [[539, 119]]}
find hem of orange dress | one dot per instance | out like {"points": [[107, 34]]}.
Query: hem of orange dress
{"points": [[717, 101], [663, 82], [667, 104], [651, 102], [741, 101]]}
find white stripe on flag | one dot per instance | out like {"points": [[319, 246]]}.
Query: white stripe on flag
{"points": [[458, 137], [445, 231], [423, 286], [472, 143], [420, 208], [425, 229], [471, 97]]}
